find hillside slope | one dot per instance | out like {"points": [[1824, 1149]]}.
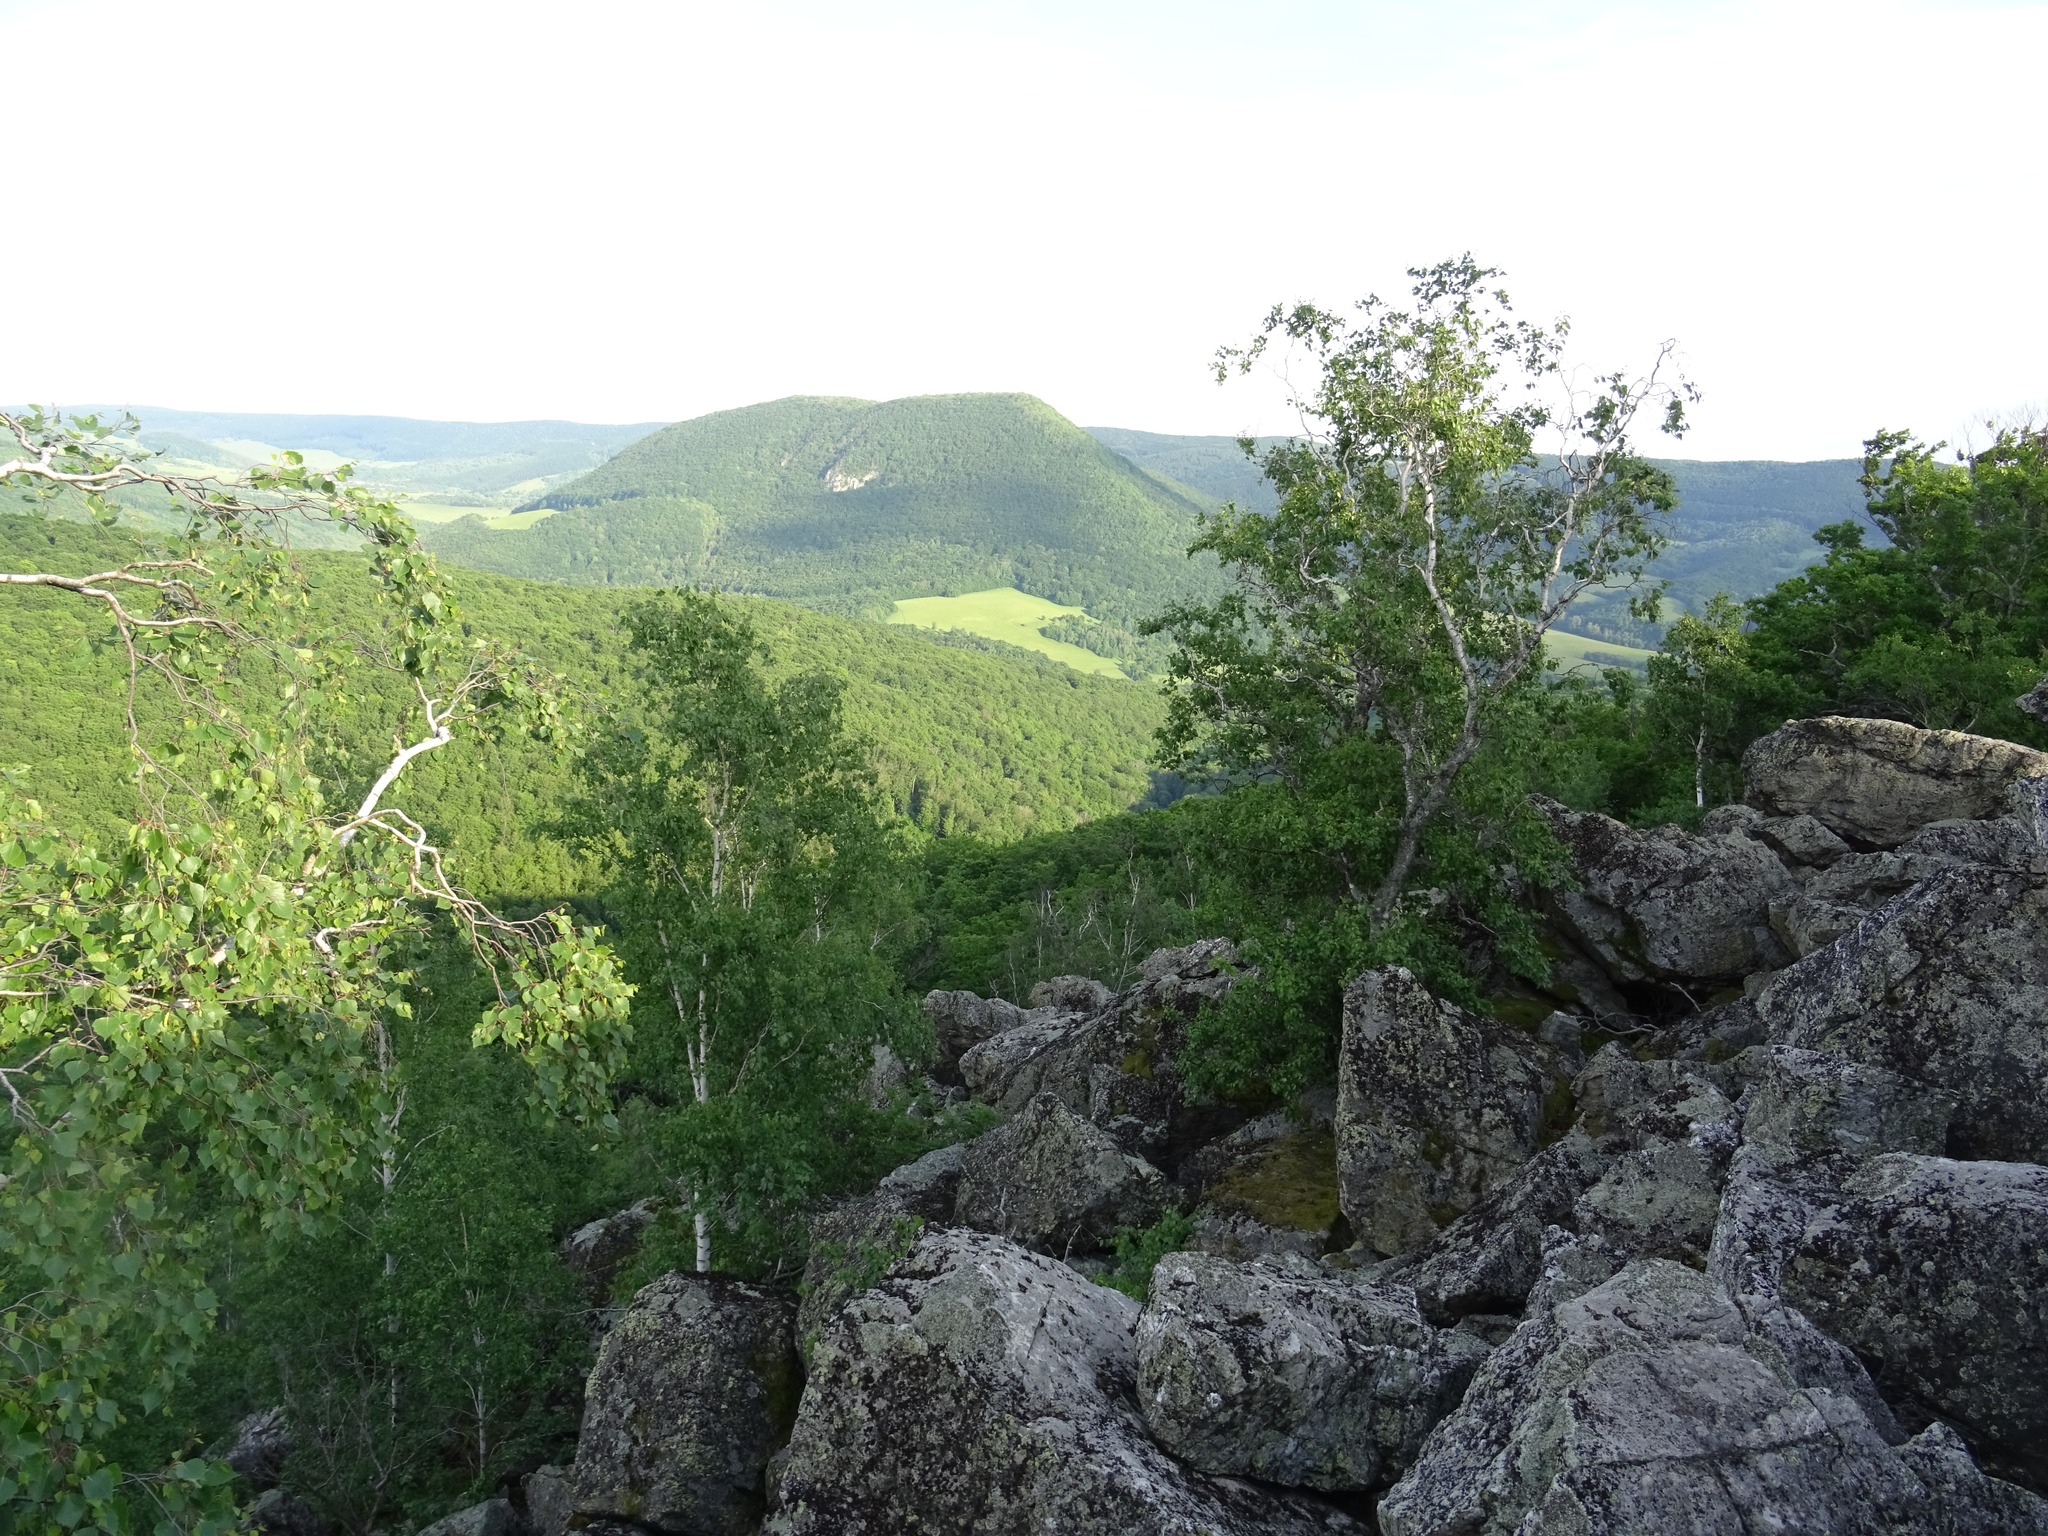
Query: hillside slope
{"points": [[847, 505], [992, 743]]}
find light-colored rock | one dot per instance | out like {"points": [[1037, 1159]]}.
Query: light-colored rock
{"points": [[493, 1517], [1665, 905], [1812, 1103], [2035, 700], [1070, 994], [1964, 1501], [1877, 782], [550, 1501], [694, 1390], [596, 1249], [982, 1388], [1642, 1408], [261, 1445], [1436, 1107], [1801, 840], [1055, 1183], [1659, 1202], [962, 1020], [1296, 1378], [1937, 1271], [1948, 986]]}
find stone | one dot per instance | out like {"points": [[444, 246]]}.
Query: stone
{"points": [[1056, 1183], [597, 1249], [888, 1081], [1812, 1103], [1436, 1108], [493, 1517], [1658, 1202], [1667, 906], [261, 1445], [1642, 1408], [550, 1501], [1070, 994], [851, 1246], [1936, 1272], [277, 1513], [1801, 840], [1268, 1187], [1948, 986], [1877, 782], [2035, 700], [984, 1388], [1305, 1380], [1964, 1501], [962, 1020], [694, 1390]]}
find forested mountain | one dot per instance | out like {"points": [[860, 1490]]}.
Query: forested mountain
{"points": [[965, 741], [847, 505]]}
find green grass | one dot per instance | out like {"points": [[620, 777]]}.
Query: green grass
{"points": [[1571, 651], [1005, 614], [502, 518]]}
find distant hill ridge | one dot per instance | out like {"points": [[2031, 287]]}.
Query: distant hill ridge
{"points": [[848, 505]]}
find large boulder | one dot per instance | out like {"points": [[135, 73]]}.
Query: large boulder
{"points": [[1644, 1407], [962, 1020], [1269, 1187], [493, 1517], [1937, 1273], [597, 1249], [983, 1388], [1055, 1182], [1877, 782], [1666, 905], [1117, 1066], [693, 1392], [1436, 1107], [1291, 1375], [262, 1445], [1947, 986]]}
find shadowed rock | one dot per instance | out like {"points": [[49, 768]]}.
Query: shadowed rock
{"points": [[1055, 1183]]}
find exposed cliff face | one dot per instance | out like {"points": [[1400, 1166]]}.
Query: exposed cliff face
{"points": [[1775, 1260]]}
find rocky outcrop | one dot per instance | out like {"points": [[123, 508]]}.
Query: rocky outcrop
{"points": [[962, 1020], [262, 1443], [597, 1249], [1291, 1375], [1269, 1187], [1436, 1107], [1877, 782], [1666, 905], [1948, 986], [550, 1501], [493, 1517], [980, 1387], [1937, 1273], [1644, 1406], [694, 1390], [1055, 1183]]}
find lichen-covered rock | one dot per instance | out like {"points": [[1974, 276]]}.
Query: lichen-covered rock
{"points": [[1436, 1107], [1800, 840], [550, 1501], [1118, 1066], [1642, 1408], [262, 1444], [1814, 1104], [1668, 906], [693, 1392], [1070, 994], [1659, 1202], [493, 1517], [596, 1249], [1269, 1187], [1877, 782], [962, 1020], [1055, 1183], [1292, 1376], [1937, 1273], [1962, 1500], [1948, 986], [982, 1388]]}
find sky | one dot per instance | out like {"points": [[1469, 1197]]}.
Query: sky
{"points": [[629, 212]]}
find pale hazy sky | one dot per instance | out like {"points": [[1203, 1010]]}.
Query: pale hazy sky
{"points": [[640, 211]]}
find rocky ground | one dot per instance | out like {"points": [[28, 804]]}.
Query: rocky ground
{"points": [[1741, 1227]]}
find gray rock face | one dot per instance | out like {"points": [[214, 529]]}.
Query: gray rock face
{"points": [[1800, 840], [1877, 782], [962, 1020], [981, 1388], [550, 1501], [1813, 1104], [1947, 986], [1668, 906], [1269, 1187], [1436, 1107], [1937, 1271], [493, 1517], [1117, 1067], [596, 1249], [1963, 1501], [693, 1392], [1071, 994], [2035, 700], [1055, 1183], [262, 1443], [1644, 1407], [1292, 1377]]}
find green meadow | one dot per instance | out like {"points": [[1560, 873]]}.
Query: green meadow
{"points": [[1005, 614]]}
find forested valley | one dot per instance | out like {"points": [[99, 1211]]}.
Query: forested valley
{"points": [[379, 908]]}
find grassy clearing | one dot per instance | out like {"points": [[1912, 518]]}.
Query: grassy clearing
{"points": [[493, 517], [1005, 614], [1571, 651]]}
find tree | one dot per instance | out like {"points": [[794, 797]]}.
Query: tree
{"points": [[1421, 551], [756, 889], [1701, 680], [198, 1017]]}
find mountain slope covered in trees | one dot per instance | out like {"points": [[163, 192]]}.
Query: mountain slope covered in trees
{"points": [[847, 505]]}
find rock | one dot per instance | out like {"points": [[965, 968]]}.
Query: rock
{"points": [[277, 1513], [888, 1081], [982, 1388], [1660, 1202], [1937, 1273], [929, 1186], [262, 1443], [550, 1501], [962, 1020], [1877, 782], [694, 1390], [1436, 1107], [597, 1249], [1801, 840], [2035, 700], [1268, 1187], [1964, 1501], [1055, 1183], [852, 1247], [493, 1517], [1298, 1379], [1665, 905], [1118, 1067], [1643, 1408], [1947, 986], [1071, 994], [1813, 1104]]}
